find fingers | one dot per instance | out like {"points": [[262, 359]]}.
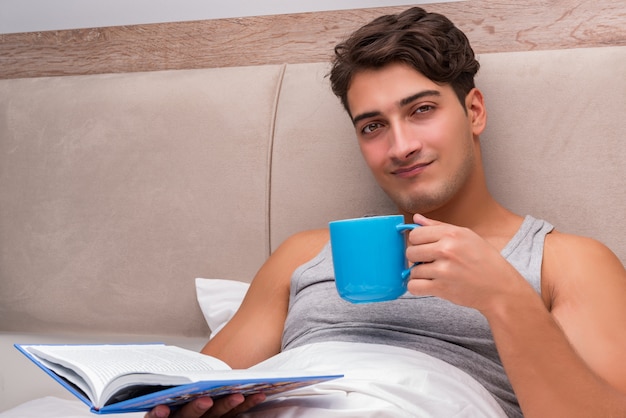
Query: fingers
{"points": [[422, 247], [206, 407], [431, 231], [221, 407], [249, 402], [196, 408], [424, 221], [422, 287], [160, 411], [229, 406], [435, 239]]}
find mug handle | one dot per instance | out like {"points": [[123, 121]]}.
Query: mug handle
{"points": [[406, 227], [402, 228]]}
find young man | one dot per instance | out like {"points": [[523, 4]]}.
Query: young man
{"points": [[534, 315]]}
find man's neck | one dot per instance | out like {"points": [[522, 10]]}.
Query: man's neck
{"points": [[482, 214]]}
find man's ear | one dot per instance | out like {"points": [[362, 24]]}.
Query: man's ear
{"points": [[476, 110]]}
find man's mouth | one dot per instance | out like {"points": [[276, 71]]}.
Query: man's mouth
{"points": [[411, 170]]}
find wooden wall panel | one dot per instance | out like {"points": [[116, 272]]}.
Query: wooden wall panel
{"points": [[307, 37]]}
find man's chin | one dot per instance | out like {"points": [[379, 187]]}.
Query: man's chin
{"points": [[414, 204]]}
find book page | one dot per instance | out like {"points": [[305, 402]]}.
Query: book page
{"points": [[100, 364]]}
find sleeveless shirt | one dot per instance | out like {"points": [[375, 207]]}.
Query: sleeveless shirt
{"points": [[455, 334]]}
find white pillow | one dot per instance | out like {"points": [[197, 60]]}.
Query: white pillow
{"points": [[219, 300]]}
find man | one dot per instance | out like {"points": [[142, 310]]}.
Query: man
{"points": [[548, 309]]}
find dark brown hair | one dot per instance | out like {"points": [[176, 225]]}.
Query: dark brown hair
{"points": [[428, 42]]}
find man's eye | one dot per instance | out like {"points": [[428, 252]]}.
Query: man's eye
{"points": [[424, 109], [370, 127]]}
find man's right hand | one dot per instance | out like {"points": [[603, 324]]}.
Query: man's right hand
{"points": [[208, 408]]}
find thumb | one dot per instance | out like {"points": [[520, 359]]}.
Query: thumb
{"points": [[424, 221]]}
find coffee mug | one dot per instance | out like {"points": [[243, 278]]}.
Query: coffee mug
{"points": [[369, 258]]}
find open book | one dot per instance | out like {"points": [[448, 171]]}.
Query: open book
{"points": [[137, 377]]}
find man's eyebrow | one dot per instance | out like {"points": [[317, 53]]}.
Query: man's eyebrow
{"points": [[419, 95], [402, 103], [365, 115]]}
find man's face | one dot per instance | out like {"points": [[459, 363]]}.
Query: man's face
{"points": [[415, 136]]}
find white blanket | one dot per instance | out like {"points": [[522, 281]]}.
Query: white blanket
{"points": [[52, 407], [380, 381]]}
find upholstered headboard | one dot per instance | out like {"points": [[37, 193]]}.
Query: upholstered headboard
{"points": [[116, 191]]}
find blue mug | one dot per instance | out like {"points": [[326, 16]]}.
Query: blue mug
{"points": [[369, 258]]}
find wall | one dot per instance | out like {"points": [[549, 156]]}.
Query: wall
{"points": [[45, 15], [306, 37]]}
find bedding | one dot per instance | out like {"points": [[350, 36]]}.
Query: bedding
{"points": [[219, 299], [53, 407], [380, 380]]}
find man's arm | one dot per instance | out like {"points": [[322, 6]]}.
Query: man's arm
{"points": [[565, 359], [585, 375], [255, 331]]}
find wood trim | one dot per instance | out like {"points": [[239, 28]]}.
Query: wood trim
{"points": [[492, 26]]}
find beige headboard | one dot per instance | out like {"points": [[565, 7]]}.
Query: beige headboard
{"points": [[116, 191]]}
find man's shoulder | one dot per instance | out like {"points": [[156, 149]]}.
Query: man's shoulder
{"points": [[567, 246], [569, 257], [303, 246], [318, 235], [306, 240]]}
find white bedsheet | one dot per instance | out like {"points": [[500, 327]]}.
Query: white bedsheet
{"points": [[53, 407], [380, 381]]}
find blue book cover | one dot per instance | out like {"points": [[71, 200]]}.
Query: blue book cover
{"points": [[117, 378]]}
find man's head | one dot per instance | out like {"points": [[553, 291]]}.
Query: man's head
{"points": [[407, 82], [427, 42]]}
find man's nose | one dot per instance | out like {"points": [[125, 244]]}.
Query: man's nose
{"points": [[403, 142]]}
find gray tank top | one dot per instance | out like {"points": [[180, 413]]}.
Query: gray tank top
{"points": [[452, 333]]}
